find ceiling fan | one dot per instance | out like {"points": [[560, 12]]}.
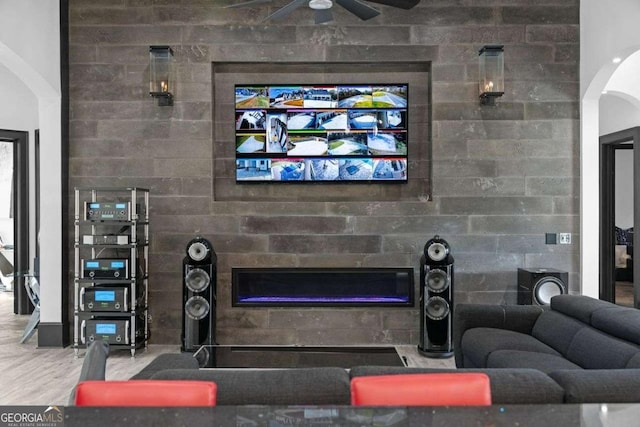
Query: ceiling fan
{"points": [[323, 8]]}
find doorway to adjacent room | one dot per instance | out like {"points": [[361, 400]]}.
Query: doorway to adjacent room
{"points": [[618, 214], [14, 216]]}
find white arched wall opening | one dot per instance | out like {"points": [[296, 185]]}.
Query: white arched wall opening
{"points": [[49, 114], [630, 100], [617, 78]]}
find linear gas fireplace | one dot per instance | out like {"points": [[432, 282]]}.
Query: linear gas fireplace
{"points": [[263, 287]]}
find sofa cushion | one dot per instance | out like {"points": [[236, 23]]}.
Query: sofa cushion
{"points": [[167, 361], [508, 386], [556, 330], [518, 318], [479, 343], [578, 306], [598, 386], [295, 386], [618, 321], [634, 362], [527, 359], [593, 349]]}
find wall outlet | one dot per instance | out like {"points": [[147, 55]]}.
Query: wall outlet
{"points": [[564, 238]]}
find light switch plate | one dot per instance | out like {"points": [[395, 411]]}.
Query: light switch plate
{"points": [[565, 238]]}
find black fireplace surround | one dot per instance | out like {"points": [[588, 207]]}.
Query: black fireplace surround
{"points": [[333, 287]]}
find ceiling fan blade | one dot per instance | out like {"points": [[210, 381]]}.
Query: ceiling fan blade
{"points": [[323, 15], [286, 10], [359, 9], [402, 4], [248, 3]]}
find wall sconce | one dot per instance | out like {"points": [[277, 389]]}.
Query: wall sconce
{"points": [[161, 74], [491, 75]]}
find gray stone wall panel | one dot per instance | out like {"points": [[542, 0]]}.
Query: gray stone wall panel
{"points": [[489, 179]]}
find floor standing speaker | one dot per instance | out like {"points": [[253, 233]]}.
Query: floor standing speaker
{"points": [[536, 286], [436, 299], [199, 295]]}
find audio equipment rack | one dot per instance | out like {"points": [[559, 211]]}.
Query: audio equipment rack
{"points": [[111, 264]]}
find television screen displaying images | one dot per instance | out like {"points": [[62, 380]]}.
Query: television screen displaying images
{"points": [[321, 133]]}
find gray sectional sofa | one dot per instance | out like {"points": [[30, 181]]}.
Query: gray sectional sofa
{"points": [[590, 348], [331, 385], [579, 350]]}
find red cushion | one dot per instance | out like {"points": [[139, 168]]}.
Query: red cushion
{"points": [[146, 393], [450, 389]]}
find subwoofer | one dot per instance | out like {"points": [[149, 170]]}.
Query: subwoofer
{"points": [[536, 286], [436, 299], [198, 295]]}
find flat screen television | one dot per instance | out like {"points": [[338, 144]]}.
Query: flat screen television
{"points": [[321, 133]]}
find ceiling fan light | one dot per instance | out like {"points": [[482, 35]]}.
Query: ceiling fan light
{"points": [[320, 4]]}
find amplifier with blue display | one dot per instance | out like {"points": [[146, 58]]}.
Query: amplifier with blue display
{"points": [[104, 299], [106, 268], [99, 211], [111, 331]]}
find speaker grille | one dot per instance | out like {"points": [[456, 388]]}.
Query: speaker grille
{"points": [[437, 308], [197, 251], [437, 251], [547, 288], [196, 308], [197, 280], [437, 280]]}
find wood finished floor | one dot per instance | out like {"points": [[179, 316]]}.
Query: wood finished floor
{"points": [[45, 376], [624, 293]]}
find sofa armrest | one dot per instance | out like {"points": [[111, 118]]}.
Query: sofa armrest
{"points": [[94, 365], [599, 385], [518, 318]]}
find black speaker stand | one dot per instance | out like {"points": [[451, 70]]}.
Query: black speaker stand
{"points": [[435, 354]]}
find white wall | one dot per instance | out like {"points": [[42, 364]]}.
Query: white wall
{"points": [[31, 29], [606, 31], [617, 113], [19, 106], [18, 111], [30, 49]]}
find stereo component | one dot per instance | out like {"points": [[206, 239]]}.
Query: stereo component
{"points": [[104, 299], [536, 286], [198, 295], [106, 268], [110, 267], [436, 299], [108, 239], [111, 331], [116, 211]]}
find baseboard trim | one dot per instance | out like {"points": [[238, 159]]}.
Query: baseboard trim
{"points": [[53, 335]]}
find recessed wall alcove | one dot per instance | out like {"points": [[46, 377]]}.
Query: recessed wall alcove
{"points": [[225, 75]]}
